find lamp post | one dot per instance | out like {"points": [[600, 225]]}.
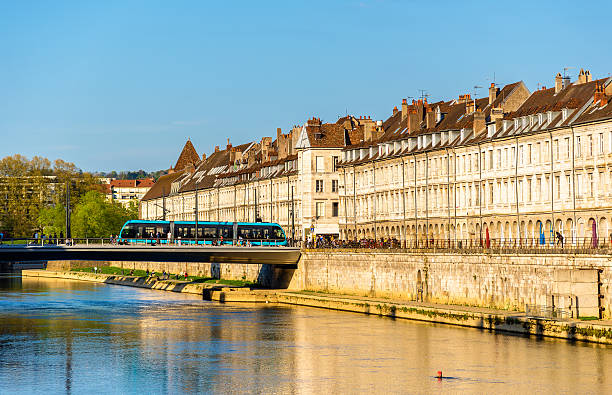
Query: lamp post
{"points": [[196, 213], [292, 218], [68, 230]]}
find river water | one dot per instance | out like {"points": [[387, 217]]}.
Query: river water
{"points": [[63, 336]]}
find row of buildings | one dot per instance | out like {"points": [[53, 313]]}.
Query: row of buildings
{"points": [[513, 165], [126, 191]]}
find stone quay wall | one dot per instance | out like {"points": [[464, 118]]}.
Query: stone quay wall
{"points": [[580, 283], [264, 275], [501, 281]]}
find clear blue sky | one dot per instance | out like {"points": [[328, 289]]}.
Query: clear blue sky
{"points": [[121, 85]]}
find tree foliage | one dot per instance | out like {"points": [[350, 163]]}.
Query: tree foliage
{"points": [[32, 192], [95, 216]]}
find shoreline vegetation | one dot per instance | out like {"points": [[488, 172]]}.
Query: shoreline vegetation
{"points": [[223, 291], [159, 276]]}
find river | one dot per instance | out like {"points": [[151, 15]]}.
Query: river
{"points": [[63, 336]]}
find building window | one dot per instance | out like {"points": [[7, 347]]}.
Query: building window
{"points": [[578, 150], [334, 163], [601, 143], [590, 145], [334, 209], [334, 186], [319, 185], [320, 164], [567, 144], [529, 190], [320, 209], [528, 153]]}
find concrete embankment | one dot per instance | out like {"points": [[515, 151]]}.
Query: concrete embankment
{"points": [[476, 317]]}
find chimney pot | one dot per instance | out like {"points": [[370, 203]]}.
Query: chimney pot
{"points": [[558, 83], [404, 108]]}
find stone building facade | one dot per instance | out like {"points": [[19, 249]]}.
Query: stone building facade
{"points": [[292, 180], [513, 166]]}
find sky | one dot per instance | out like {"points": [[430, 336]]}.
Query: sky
{"points": [[121, 85]]}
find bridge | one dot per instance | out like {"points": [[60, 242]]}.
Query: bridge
{"points": [[278, 256]]}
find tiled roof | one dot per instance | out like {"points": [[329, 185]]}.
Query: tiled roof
{"points": [[327, 135], [163, 186], [143, 183], [188, 157]]}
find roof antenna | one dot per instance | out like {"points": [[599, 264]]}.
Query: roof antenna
{"points": [[476, 87], [423, 94], [565, 69]]}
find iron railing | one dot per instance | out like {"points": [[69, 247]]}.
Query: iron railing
{"points": [[585, 245]]}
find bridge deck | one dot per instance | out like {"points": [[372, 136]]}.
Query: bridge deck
{"points": [[213, 254]]}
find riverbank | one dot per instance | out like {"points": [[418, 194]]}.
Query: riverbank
{"points": [[596, 331]]}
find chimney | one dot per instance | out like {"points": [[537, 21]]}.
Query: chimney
{"points": [[203, 156], [414, 122], [394, 110], [581, 77], [470, 105], [492, 93], [279, 133], [404, 108], [497, 116], [558, 83], [430, 117], [479, 122], [599, 98], [216, 148], [229, 146]]}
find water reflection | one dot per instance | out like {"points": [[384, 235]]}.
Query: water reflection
{"points": [[69, 336]]}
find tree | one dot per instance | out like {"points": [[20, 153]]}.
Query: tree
{"points": [[52, 219], [32, 192], [14, 166], [94, 216]]}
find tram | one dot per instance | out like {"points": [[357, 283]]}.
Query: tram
{"points": [[210, 233]]}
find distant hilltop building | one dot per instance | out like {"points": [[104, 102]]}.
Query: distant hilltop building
{"points": [[125, 191], [511, 166]]}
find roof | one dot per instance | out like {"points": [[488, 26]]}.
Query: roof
{"points": [[188, 157], [162, 187], [142, 183]]}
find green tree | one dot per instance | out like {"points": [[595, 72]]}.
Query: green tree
{"points": [[94, 216], [52, 219]]}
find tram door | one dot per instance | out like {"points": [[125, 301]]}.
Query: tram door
{"points": [[235, 234], [171, 230]]}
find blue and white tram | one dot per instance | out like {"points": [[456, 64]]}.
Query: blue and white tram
{"points": [[217, 233]]}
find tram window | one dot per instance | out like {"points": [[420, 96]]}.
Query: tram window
{"points": [[250, 232], [226, 232], [244, 232], [130, 231], [149, 230], [276, 232], [208, 232]]}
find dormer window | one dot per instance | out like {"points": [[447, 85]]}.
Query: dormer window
{"points": [[549, 115], [516, 123], [565, 113], [540, 119], [438, 115]]}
